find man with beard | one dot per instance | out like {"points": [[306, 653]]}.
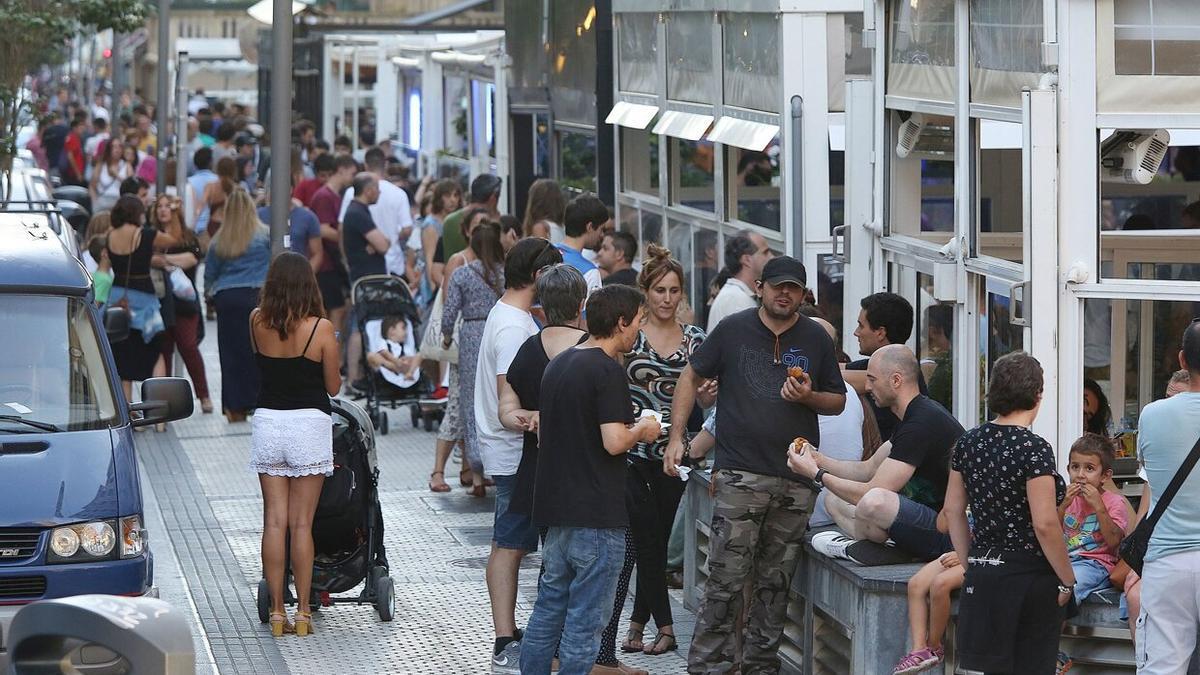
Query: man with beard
{"points": [[897, 493], [777, 371]]}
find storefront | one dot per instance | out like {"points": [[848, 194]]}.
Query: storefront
{"points": [[722, 123]]}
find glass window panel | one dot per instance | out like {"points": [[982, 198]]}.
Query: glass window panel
{"points": [[751, 64], [693, 180], [637, 51], [847, 57], [999, 212], [704, 271], [639, 161], [1156, 37], [922, 185], [1140, 340], [921, 49], [837, 189], [754, 185], [997, 337], [651, 230], [573, 61], [541, 150], [935, 342], [830, 285], [627, 215], [458, 107], [577, 161], [483, 118], [1006, 49], [690, 57], [679, 241]]}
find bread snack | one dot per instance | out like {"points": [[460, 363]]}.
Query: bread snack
{"points": [[798, 444], [796, 372]]}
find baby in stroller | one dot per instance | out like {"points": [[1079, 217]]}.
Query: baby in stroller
{"points": [[392, 356]]}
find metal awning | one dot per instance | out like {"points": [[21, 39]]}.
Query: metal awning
{"points": [[743, 133], [443, 13], [679, 124], [632, 115]]}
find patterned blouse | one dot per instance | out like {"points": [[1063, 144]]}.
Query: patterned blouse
{"points": [[652, 379], [995, 462]]}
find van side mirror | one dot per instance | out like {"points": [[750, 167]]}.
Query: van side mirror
{"points": [[116, 324], [164, 399]]}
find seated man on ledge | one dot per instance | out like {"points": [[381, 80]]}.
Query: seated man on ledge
{"points": [[898, 492]]}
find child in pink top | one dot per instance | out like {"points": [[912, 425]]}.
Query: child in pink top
{"points": [[1094, 519]]}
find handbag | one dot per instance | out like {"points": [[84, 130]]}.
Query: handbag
{"points": [[431, 342], [1133, 547], [123, 303], [181, 286]]}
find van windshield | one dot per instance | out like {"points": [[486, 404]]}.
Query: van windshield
{"points": [[52, 368]]}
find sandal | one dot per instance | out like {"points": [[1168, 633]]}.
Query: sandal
{"points": [[632, 636], [653, 649], [280, 625], [439, 487], [477, 491], [464, 477], [304, 625]]}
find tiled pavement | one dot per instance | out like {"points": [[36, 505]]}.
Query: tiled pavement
{"points": [[205, 516]]}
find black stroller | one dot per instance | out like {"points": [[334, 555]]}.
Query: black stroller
{"points": [[348, 527], [375, 298]]}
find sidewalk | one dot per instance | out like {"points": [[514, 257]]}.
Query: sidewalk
{"points": [[205, 516]]}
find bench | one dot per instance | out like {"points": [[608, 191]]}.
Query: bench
{"points": [[845, 618]]}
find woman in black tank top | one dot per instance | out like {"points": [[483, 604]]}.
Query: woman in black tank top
{"points": [[291, 444]]}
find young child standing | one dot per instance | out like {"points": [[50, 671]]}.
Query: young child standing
{"points": [[929, 609], [102, 278], [1094, 519]]}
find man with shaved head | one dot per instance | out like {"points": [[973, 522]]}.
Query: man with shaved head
{"points": [[897, 493]]}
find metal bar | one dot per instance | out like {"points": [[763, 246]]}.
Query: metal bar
{"points": [[181, 108], [353, 122], [797, 171], [281, 121], [162, 102]]}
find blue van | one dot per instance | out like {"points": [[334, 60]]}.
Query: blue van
{"points": [[71, 518]]}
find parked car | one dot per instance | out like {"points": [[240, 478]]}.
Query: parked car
{"points": [[32, 193], [71, 519]]}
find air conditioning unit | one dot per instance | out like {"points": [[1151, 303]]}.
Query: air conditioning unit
{"points": [[908, 134], [920, 138], [1133, 156]]}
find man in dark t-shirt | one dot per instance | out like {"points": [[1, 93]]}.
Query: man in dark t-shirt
{"points": [[579, 491], [898, 492], [885, 319], [777, 370], [363, 242]]}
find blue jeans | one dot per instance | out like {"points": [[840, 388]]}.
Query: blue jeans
{"points": [[1090, 576], [575, 599]]}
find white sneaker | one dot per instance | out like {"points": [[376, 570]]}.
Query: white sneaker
{"points": [[832, 544]]}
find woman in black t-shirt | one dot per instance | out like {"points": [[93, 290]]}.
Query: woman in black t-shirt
{"points": [[1018, 577]]}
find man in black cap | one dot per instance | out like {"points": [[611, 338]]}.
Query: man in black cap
{"points": [[777, 371], [485, 194]]}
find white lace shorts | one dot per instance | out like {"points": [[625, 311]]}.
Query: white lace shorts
{"points": [[291, 443]]}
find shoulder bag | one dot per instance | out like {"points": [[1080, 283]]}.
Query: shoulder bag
{"points": [[1133, 547], [431, 342]]}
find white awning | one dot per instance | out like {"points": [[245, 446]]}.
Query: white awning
{"points": [[632, 115], [754, 136], [210, 49], [688, 126]]}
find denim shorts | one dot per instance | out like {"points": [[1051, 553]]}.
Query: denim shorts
{"points": [[915, 530], [511, 530], [1090, 576]]}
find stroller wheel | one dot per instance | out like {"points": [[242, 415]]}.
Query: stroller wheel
{"points": [[377, 572], [264, 601], [375, 416], [415, 413], [385, 598], [383, 423], [429, 423]]}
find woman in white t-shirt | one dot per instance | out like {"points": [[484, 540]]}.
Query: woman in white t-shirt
{"points": [[105, 186]]}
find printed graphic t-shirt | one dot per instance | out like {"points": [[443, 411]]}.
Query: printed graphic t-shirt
{"points": [[1081, 526], [755, 424]]}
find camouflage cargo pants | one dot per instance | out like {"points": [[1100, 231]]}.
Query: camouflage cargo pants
{"points": [[757, 530]]}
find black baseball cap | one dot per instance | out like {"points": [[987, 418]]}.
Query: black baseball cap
{"points": [[784, 270]]}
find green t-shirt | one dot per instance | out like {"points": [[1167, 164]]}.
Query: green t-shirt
{"points": [[102, 282], [452, 239]]}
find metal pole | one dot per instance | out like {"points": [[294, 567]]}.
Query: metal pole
{"points": [[354, 117], [162, 104], [117, 74], [281, 122], [181, 115]]}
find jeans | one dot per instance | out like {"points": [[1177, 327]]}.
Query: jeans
{"points": [[1090, 576], [575, 599], [185, 336]]}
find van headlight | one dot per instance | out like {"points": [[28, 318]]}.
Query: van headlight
{"points": [[133, 537], [83, 542]]}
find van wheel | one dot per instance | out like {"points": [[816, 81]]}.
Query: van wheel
{"points": [[264, 601]]}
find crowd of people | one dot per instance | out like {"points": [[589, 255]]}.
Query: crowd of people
{"points": [[580, 387]]}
